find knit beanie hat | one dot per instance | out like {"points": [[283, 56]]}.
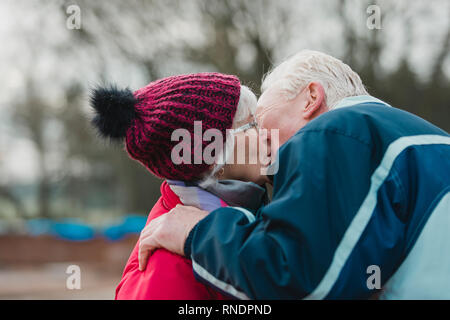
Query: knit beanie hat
{"points": [[147, 118]]}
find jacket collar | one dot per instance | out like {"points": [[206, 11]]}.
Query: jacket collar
{"points": [[238, 193], [355, 100], [231, 192]]}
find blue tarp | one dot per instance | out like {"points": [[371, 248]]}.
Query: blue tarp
{"points": [[130, 224], [73, 230]]}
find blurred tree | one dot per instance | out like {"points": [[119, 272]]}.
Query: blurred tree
{"points": [[34, 121], [242, 30], [6, 194], [427, 97]]}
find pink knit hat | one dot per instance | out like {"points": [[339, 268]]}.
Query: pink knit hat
{"points": [[147, 118]]}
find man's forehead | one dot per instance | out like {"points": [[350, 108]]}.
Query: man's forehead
{"points": [[269, 99]]}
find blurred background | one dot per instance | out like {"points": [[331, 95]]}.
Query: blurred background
{"points": [[69, 198]]}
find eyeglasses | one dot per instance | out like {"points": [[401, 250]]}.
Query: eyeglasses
{"points": [[245, 127]]}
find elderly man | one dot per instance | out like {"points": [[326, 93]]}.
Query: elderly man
{"points": [[361, 199]]}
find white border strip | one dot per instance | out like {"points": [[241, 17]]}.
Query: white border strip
{"points": [[364, 213], [203, 273], [247, 213], [218, 283]]}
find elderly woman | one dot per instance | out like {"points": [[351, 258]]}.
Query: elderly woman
{"points": [[148, 120]]}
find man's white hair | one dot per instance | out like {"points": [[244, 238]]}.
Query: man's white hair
{"points": [[293, 75]]}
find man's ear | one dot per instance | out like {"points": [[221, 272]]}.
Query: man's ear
{"points": [[315, 96]]}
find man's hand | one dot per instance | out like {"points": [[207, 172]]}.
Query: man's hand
{"points": [[168, 231]]}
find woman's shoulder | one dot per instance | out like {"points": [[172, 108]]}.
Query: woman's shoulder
{"points": [[166, 202]]}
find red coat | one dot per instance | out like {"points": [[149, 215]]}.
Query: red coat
{"points": [[168, 276]]}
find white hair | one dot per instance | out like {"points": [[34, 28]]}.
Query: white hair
{"points": [[293, 75], [246, 105], [245, 108]]}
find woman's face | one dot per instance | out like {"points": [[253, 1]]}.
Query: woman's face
{"points": [[248, 162]]}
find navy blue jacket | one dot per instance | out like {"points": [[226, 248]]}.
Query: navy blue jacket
{"points": [[361, 191]]}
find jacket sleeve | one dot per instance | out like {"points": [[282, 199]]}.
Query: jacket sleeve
{"points": [[285, 251]]}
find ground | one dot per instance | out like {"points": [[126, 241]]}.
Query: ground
{"points": [[35, 267]]}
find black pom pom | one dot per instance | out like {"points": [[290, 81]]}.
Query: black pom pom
{"points": [[114, 111]]}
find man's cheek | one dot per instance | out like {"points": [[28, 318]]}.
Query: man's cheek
{"points": [[271, 122], [282, 131]]}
